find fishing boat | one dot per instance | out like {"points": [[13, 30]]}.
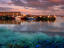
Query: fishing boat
{"points": [[52, 17], [18, 18], [31, 18]]}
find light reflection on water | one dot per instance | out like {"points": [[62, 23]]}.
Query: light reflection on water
{"points": [[56, 26]]}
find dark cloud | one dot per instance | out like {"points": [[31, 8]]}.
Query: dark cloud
{"points": [[32, 0], [39, 4], [18, 2]]}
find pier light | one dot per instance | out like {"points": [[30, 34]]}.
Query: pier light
{"points": [[40, 16], [24, 14], [48, 16], [55, 16]]}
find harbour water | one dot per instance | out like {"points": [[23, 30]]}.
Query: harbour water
{"points": [[46, 26], [32, 34]]}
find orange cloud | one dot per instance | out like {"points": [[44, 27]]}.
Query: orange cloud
{"points": [[55, 0]]}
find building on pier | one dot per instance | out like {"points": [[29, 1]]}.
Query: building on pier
{"points": [[10, 13]]}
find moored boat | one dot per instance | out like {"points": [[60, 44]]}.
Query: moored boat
{"points": [[52, 17]]}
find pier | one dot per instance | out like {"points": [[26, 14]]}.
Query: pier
{"points": [[18, 15], [8, 15]]}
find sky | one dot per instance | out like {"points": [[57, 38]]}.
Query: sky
{"points": [[34, 7]]}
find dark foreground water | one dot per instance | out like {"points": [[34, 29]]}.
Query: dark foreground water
{"points": [[10, 39], [31, 34]]}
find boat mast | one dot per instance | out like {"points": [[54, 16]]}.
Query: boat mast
{"points": [[49, 12], [54, 13]]}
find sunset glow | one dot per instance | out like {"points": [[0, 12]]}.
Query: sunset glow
{"points": [[38, 7]]}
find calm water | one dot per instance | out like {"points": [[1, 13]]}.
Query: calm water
{"points": [[14, 34], [56, 26]]}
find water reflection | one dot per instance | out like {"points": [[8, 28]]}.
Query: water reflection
{"points": [[32, 25], [22, 21], [8, 22]]}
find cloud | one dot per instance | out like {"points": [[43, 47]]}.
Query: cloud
{"points": [[34, 6], [56, 1], [39, 4], [18, 2], [4, 9]]}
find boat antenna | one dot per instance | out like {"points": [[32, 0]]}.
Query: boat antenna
{"points": [[54, 13]]}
